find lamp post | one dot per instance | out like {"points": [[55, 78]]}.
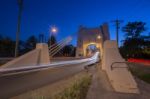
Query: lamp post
{"points": [[20, 4], [98, 37], [53, 30], [99, 40]]}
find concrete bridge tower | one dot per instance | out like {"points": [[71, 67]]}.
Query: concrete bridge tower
{"points": [[91, 36]]}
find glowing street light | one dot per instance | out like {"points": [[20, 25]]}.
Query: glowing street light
{"points": [[53, 30], [99, 37]]}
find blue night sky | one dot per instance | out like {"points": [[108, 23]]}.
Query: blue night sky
{"points": [[67, 15]]}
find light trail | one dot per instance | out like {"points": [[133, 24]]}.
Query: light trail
{"points": [[22, 69]]}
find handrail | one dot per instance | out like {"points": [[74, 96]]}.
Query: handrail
{"points": [[118, 67]]}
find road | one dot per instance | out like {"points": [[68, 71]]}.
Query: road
{"points": [[13, 85]]}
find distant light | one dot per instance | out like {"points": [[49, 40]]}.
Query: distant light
{"points": [[99, 37], [53, 30]]}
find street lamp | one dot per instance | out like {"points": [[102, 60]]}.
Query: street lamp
{"points": [[98, 40], [98, 37], [53, 30]]}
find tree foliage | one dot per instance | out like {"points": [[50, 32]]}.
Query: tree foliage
{"points": [[134, 29], [69, 50], [52, 40], [31, 42], [7, 46], [135, 45]]}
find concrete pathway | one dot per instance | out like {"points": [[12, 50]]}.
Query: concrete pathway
{"points": [[101, 88]]}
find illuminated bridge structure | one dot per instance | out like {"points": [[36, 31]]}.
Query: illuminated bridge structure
{"points": [[106, 50]]}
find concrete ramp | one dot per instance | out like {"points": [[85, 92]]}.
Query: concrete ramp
{"points": [[119, 76], [38, 56]]}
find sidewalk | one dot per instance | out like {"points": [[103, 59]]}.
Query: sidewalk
{"points": [[101, 89]]}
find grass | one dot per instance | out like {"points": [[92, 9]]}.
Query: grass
{"points": [[73, 87], [145, 77], [78, 90], [141, 71], [2, 63]]}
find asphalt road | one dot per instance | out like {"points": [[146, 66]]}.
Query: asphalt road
{"points": [[13, 85]]}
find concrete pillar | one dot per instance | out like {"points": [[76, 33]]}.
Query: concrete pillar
{"points": [[36, 57], [120, 78], [44, 53]]}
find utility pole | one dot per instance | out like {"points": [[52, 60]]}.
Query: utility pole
{"points": [[41, 38], [20, 4], [117, 23]]}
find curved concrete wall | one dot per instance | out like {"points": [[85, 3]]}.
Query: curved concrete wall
{"points": [[38, 56], [30, 58], [120, 78]]}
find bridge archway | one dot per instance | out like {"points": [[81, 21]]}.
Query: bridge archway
{"points": [[91, 48]]}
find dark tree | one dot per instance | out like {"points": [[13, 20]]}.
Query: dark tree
{"points": [[52, 40], [7, 47], [135, 45], [69, 50], [30, 44], [134, 29]]}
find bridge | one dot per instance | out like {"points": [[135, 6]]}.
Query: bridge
{"points": [[35, 68]]}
